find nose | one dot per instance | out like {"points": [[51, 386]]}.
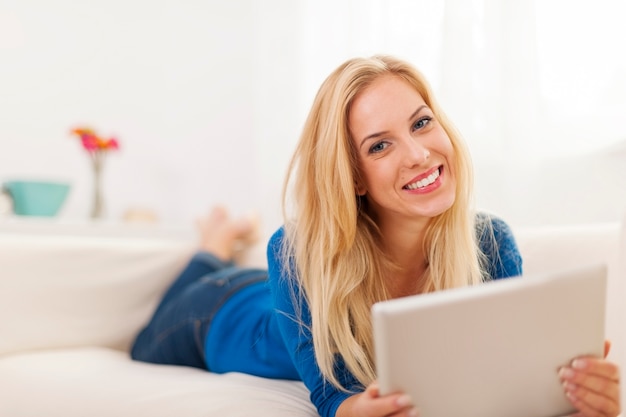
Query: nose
{"points": [[416, 153]]}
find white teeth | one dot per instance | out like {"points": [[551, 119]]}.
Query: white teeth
{"points": [[424, 182]]}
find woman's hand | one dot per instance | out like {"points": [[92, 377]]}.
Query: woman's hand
{"points": [[592, 385], [369, 403]]}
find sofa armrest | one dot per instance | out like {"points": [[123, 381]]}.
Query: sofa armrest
{"points": [[80, 289]]}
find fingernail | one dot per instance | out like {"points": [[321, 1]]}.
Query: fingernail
{"points": [[569, 387], [403, 400], [413, 412], [566, 373], [579, 363], [570, 395]]}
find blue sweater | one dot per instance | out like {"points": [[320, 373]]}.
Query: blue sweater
{"points": [[254, 332]]}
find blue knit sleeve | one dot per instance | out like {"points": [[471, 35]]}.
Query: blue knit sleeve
{"points": [[502, 258], [298, 338]]}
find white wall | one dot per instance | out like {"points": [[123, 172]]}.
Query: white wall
{"points": [[188, 87], [208, 98]]}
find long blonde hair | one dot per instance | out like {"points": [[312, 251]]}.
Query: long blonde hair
{"points": [[330, 237]]}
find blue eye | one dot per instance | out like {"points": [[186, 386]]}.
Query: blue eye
{"points": [[378, 147], [422, 123]]}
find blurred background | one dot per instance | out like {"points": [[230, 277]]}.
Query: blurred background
{"points": [[207, 98]]}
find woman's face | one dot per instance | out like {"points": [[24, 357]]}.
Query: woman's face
{"points": [[405, 156]]}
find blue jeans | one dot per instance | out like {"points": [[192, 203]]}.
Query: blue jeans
{"points": [[176, 332]]}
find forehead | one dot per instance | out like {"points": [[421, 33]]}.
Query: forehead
{"points": [[387, 98]]}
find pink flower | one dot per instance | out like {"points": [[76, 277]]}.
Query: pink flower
{"points": [[92, 142], [89, 142], [113, 144]]}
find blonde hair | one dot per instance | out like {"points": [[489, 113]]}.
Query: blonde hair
{"points": [[338, 264]]}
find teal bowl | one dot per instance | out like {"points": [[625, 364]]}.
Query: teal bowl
{"points": [[36, 198]]}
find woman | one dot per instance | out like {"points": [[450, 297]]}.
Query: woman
{"points": [[379, 197]]}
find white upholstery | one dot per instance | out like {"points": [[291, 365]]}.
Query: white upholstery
{"points": [[70, 304], [67, 291], [101, 382]]}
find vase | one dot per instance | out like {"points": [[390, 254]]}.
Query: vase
{"points": [[97, 208]]}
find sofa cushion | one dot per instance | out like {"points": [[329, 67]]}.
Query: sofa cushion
{"points": [[101, 382]]}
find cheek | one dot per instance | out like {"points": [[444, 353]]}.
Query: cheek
{"points": [[375, 175], [451, 156], [446, 149], [445, 143]]}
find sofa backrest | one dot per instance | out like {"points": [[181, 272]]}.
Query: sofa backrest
{"points": [[81, 289]]}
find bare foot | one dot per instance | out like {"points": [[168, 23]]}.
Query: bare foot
{"points": [[222, 236]]}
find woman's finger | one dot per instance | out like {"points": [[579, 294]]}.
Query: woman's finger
{"points": [[603, 386], [372, 390], [370, 403], [607, 348], [590, 403], [596, 366]]}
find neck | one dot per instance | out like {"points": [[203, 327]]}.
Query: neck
{"points": [[405, 246]]}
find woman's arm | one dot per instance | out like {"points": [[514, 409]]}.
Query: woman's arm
{"points": [[329, 400], [497, 242], [297, 338]]}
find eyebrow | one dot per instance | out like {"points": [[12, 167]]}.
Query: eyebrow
{"points": [[378, 134]]}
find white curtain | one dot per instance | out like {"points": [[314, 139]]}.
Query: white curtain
{"points": [[529, 78]]}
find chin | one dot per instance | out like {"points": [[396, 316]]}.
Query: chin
{"points": [[437, 208]]}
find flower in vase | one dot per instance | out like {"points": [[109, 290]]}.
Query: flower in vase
{"points": [[97, 147], [93, 143]]}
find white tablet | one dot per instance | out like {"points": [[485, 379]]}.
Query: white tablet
{"points": [[491, 350]]}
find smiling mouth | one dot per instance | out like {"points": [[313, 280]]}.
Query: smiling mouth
{"points": [[424, 182]]}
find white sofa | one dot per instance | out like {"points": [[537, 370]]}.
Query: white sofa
{"points": [[72, 298]]}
